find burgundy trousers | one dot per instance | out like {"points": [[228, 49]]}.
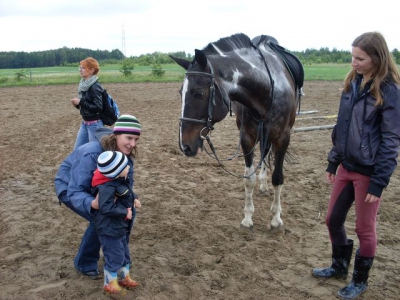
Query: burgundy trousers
{"points": [[348, 188]]}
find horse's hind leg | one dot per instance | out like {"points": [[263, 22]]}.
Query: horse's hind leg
{"points": [[276, 208], [262, 177], [249, 184]]}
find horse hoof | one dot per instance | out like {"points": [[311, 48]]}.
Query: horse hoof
{"points": [[246, 227], [264, 192], [277, 229]]}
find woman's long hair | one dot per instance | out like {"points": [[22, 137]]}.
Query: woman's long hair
{"points": [[109, 143], [374, 44]]}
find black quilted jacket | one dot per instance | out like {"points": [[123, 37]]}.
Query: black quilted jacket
{"points": [[366, 138], [91, 103]]}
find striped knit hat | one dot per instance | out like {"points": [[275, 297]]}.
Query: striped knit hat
{"points": [[127, 124], [111, 163]]}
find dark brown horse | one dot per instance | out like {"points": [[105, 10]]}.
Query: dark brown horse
{"points": [[254, 80]]}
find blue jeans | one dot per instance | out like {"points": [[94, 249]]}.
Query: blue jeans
{"points": [[89, 250], [86, 133], [116, 252]]}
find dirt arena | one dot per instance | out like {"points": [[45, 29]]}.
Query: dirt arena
{"points": [[187, 242]]}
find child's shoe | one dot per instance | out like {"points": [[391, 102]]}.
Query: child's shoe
{"points": [[114, 289], [128, 282]]}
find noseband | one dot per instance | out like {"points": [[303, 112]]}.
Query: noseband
{"points": [[211, 101]]}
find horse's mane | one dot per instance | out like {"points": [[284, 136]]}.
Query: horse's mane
{"points": [[233, 42]]}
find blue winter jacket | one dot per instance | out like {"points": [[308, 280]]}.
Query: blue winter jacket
{"points": [[115, 197], [76, 171], [366, 137]]}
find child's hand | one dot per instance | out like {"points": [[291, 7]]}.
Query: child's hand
{"points": [[129, 215], [136, 203]]}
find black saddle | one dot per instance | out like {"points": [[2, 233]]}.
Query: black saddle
{"points": [[292, 63]]}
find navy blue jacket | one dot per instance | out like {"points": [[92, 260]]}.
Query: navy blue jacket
{"points": [[366, 137], [75, 174], [115, 197]]}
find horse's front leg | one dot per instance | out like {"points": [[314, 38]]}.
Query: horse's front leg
{"points": [[249, 184]]}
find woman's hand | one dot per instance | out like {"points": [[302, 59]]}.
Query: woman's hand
{"points": [[95, 202], [371, 198], [330, 178], [75, 101], [136, 203]]}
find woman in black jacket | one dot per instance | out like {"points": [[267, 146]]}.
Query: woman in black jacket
{"points": [[365, 141], [89, 101]]}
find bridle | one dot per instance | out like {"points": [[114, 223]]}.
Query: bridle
{"points": [[208, 124]]}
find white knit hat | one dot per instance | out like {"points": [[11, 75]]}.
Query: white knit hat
{"points": [[111, 163]]}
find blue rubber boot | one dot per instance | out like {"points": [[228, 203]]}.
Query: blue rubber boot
{"points": [[341, 256], [359, 283]]}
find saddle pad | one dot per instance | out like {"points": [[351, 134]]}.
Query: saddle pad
{"points": [[292, 63]]}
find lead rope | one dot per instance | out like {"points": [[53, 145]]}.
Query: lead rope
{"points": [[215, 156]]}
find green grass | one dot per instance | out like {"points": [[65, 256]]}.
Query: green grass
{"points": [[70, 75], [326, 71], [111, 74]]}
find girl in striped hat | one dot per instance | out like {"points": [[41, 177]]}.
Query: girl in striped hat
{"points": [[114, 219]]}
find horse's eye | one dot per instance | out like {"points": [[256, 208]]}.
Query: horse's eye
{"points": [[198, 95]]}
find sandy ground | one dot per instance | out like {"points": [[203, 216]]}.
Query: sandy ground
{"points": [[187, 242]]}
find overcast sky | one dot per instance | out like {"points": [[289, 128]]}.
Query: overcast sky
{"points": [[184, 25]]}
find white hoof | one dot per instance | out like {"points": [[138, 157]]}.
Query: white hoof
{"points": [[246, 224], [275, 223]]}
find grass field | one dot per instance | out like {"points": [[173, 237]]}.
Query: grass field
{"points": [[111, 74]]}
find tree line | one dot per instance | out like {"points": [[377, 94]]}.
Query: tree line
{"points": [[72, 56], [51, 58]]}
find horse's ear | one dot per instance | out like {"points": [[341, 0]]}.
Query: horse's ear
{"points": [[200, 58], [182, 62]]}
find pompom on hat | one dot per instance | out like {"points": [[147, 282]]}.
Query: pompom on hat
{"points": [[111, 163], [127, 124]]}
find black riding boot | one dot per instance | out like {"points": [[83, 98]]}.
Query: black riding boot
{"points": [[359, 283], [341, 256]]}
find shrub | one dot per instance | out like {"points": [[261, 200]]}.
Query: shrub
{"points": [[157, 71], [127, 67], [19, 75]]}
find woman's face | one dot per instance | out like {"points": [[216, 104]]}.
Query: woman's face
{"points": [[126, 142], [85, 73], [362, 63]]}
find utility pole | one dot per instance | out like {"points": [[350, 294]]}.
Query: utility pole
{"points": [[123, 41]]}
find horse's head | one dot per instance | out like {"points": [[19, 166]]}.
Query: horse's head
{"points": [[202, 103]]}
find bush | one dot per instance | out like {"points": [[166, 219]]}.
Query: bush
{"points": [[157, 71], [3, 80], [19, 75], [127, 67]]}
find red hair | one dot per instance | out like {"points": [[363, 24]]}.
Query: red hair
{"points": [[91, 64]]}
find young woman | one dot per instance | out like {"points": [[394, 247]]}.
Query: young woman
{"points": [[73, 184], [366, 141], [89, 101]]}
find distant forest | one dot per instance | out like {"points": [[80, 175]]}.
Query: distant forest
{"points": [[72, 56]]}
